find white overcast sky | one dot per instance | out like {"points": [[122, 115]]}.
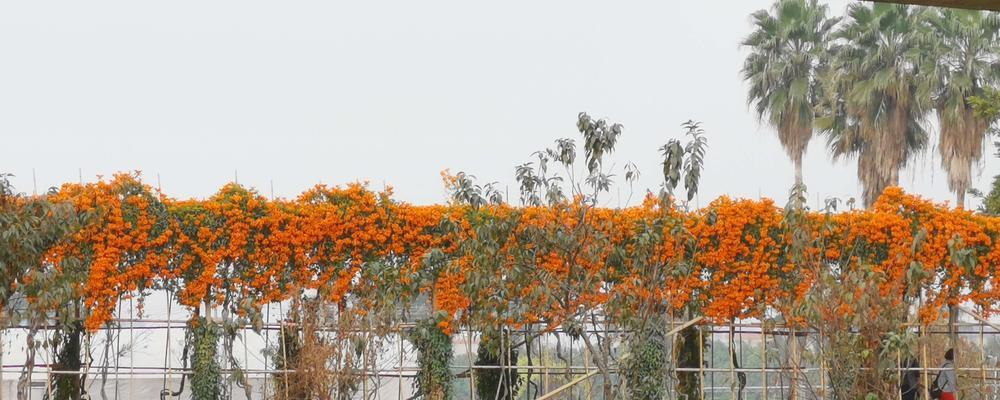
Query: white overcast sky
{"points": [[385, 91]]}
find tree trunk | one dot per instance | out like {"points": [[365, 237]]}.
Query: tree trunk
{"points": [[24, 381], [798, 169], [960, 198]]}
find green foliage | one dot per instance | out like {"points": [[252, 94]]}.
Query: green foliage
{"points": [[434, 380], [689, 159], [66, 386], [788, 44], [497, 383], [287, 357], [29, 226], [991, 202], [645, 366], [689, 347], [599, 139], [206, 378], [987, 106], [877, 91]]}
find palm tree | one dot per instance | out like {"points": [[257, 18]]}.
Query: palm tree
{"points": [[878, 92], [785, 50], [968, 45]]}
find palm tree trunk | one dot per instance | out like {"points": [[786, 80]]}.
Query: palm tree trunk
{"points": [[798, 170], [960, 198]]}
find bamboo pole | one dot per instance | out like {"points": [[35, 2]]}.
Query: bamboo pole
{"points": [[586, 365], [2, 332], [399, 380], [923, 364], [284, 346], [732, 363], [673, 360], [822, 366], [267, 342], [899, 374], [131, 353], [364, 379], [684, 325], [545, 369], [794, 350], [701, 365], [572, 383], [763, 360], [982, 361], [166, 351]]}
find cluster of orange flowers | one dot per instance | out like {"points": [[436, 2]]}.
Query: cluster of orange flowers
{"points": [[514, 265]]}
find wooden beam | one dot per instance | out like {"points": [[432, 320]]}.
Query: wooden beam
{"points": [[980, 318], [562, 388], [684, 325], [993, 5]]}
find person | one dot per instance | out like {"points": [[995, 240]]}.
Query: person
{"points": [[910, 380], [946, 379]]}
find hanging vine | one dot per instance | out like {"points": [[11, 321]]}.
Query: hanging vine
{"points": [[68, 359], [434, 355], [206, 373], [646, 366], [501, 381]]}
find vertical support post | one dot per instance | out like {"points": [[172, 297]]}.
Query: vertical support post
{"points": [[923, 363], [166, 351], [899, 373], [673, 360], [246, 352], [118, 347], [364, 367], [267, 342], [399, 380], [545, 367], [2, 331], [733, 383], [793, 349], [982, 358], [586, 367], [472, 372], [131, 353], [284, 346], [763, 359], [953, 337], [701, 364], [822, 366]]}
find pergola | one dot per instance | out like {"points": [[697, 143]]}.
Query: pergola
{"points": [[970, 4]]}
